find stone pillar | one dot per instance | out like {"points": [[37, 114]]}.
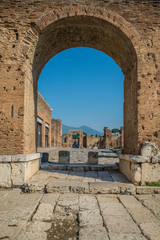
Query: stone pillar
{"points": [[80, 140], [64, 157], [93, 158], [107, 137], [69, 139]]}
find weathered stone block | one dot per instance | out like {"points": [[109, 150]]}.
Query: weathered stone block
{"points": [[92, 157], [141, 171], [5, 175], [18, 173], [64, 157], [18, 169], [149, 149]]}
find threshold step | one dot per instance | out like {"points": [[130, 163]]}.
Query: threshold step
{"points": [[79, 167]]}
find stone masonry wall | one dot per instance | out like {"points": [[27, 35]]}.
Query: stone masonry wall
{"points": [[32, 32], [92, 141]]}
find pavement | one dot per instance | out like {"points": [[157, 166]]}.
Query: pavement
{"points": [[80, 205], [41, 216]]}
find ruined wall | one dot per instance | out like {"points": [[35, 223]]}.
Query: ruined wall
{"points": [[65, 141], [44, 112], [115, 141], [56, 133], [92, 141], [126, 31]]}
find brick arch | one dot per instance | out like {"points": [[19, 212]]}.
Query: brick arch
{"points": [[83, 10], [45, 39]]}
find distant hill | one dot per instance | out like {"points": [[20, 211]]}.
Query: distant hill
{"points": [[85, 129]]}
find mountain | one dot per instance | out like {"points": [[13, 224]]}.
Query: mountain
{"points": [[85, 129]]}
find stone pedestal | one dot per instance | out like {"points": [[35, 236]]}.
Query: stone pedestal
{"points": [[140, 169], [15, 170], [64, 157], [93, 158]]}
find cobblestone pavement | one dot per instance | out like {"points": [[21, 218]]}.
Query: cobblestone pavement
{"points": [[57, 216]]}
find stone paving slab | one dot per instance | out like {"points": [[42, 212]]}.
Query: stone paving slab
{"points": [[94, 233], [54, 215], [68, 203], [9, 199], [44, 212], [151, 230], [87, 202], [151, 203], [18, 213], [142, 214], [34, 230], [126, 236]]}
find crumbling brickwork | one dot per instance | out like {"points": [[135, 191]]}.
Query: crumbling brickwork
{"points": [[32, 32]]}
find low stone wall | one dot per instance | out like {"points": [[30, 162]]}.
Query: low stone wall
{"points": [[15, 170], [140, 169]]}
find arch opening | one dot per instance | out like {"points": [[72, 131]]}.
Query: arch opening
{"points": [[97, 33], [75, 140]]}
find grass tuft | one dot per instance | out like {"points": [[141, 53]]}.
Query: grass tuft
{"points": [[154, 183]]}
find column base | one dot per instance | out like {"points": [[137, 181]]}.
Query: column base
{"points": [[140, 170], [15, 170]]}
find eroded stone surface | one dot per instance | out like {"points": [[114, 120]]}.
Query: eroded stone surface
{"points": [[95, 233], [66, 216]]}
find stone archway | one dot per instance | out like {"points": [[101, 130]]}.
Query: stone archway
{"points": [[96, 28], [80, 132], [35, 35]]}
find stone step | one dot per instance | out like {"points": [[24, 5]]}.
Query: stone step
{"points": [[79, 167], [79, 187]]}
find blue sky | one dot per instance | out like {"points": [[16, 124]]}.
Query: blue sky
{"points": [[84, 86]]}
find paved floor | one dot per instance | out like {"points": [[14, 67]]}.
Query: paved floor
{"points": [[80, 205], [79, 182], [67, 216]]}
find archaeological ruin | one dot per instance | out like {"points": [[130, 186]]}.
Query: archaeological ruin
{"points": [[32, 32]]}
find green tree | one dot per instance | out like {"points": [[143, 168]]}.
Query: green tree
{"points": [[75, 136], [115, 130]]}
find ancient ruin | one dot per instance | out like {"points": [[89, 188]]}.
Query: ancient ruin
{"points": [[32, 32], [56, 133]]}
